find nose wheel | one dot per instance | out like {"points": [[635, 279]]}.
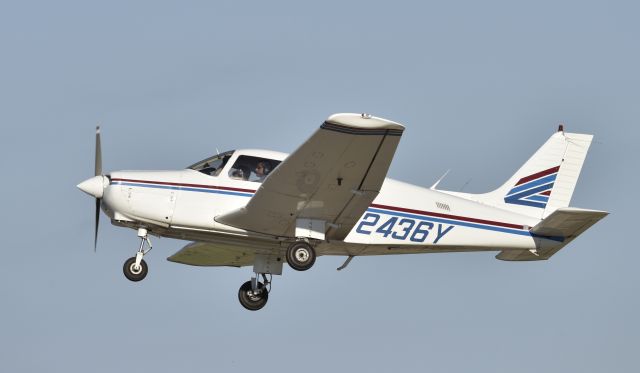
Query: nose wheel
{"points": [[135, 272], [135, 268]]}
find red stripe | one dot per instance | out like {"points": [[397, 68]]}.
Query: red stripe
{"points": [[401, 209], [439, 215], [538, 175], [187, 185], [547, 193]]}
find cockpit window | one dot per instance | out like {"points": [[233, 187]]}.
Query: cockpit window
{"points": [[252, 168], [213, 165]]}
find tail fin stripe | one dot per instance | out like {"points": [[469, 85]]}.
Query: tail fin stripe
{"points": [[538, 198], [530, 192], [532, 184], [538, 175], [531, 197]]}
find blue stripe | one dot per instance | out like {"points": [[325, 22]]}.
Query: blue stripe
{"points": [[465, 224], [188, 189], [531, 184], [552, 238], [537, 197], [147, 185], [542, 188], [526, 203]]}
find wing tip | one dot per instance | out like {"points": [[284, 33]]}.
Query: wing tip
{"points": [[363, 122]]}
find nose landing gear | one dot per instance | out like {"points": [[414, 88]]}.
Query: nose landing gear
{"points": [[135, 272], [135, 268]]}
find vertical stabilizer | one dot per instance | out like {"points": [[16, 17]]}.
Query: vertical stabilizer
{"points": [[546, 181]]}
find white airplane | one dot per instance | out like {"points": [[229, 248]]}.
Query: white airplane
{"points": [[331, 197]]}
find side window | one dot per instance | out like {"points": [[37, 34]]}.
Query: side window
{"points": [[252, 168]]}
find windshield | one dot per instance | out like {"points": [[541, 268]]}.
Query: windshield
{"points": [[212, 165]]}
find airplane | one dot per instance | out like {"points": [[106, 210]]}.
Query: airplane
{"points": [[331, 196]]}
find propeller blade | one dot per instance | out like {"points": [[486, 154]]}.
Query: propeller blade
{"points": [[98, 171], [98, 167], [95, 240]]}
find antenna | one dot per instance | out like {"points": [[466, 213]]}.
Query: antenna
{"points": [[465, 184], [433, 187]]}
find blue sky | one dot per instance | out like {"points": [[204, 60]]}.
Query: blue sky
{"points": [[479, 86]]}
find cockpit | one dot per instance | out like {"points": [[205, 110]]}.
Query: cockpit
{"points": [[252, 166]]}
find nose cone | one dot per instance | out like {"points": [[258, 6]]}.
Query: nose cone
{"points": [[94, 186]]}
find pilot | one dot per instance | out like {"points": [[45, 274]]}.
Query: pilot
{"points": [[207, 169], [262, 170]]}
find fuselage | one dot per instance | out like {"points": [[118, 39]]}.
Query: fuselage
{"points": [[404, 218]]}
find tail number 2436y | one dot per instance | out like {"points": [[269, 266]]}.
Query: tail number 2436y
{"points": [[403, 229]]}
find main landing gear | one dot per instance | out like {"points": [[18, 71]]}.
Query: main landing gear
{"points": [[253, 295], [135, 268], [301, 256]]}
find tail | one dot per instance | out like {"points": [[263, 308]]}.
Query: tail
{"points": [[546, 181]]}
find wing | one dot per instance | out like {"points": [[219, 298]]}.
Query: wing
{"points": [[213, 254], [331, 179]]}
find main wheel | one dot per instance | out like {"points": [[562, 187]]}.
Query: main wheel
{"points": [[300, 256], [135, 274], [251, 301]]}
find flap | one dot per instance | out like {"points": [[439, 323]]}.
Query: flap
{"points": [[210, 254]]}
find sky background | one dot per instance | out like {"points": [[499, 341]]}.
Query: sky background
{"points": [[479, 85]]}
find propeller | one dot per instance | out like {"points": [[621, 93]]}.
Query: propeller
{"points": [[95, 186], [98, 172]]}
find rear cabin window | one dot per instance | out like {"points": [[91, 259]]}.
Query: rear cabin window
{"points": [[250, 168]]}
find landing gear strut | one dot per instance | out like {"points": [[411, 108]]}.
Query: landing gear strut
{"points": [[253, 295], [135, 268]]}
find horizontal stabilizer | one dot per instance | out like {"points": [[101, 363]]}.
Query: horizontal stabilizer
{"points": [[568, 222], [563, 224]]}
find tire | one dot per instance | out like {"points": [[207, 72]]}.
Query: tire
{"points": [[130, 272], [250, 301], [301, 256]]}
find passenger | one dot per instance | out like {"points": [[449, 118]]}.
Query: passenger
{"points": [[262, 170]]}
